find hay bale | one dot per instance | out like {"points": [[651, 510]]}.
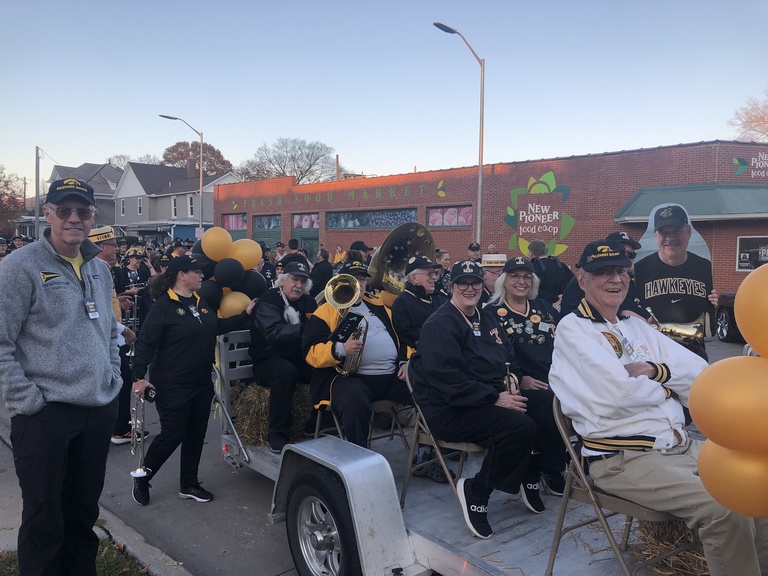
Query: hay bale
{"points": [[659, 537], [250, 407]]}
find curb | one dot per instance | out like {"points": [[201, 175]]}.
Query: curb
{"points": [[111, 527], [157, 562]]}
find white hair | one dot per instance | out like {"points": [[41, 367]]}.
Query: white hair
{"points": [[283, 277], [500, 292]]}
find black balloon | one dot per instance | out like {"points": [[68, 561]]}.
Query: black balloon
{"points": [[253, 285], [198, 247], [228, 272], [211, 293], [209, 264]]}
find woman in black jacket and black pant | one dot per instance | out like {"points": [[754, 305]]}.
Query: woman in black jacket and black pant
{"points": [[178, 339]]}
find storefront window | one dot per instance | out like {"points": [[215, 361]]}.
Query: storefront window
{"points": [[266, 222], [751, 252], [370, 218], [452, 216], [234, 221], [306, 221]]}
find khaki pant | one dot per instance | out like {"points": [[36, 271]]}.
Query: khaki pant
{"points": [[734, 545]]}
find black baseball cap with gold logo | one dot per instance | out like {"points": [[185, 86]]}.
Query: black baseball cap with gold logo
{"points": [[61, 189], [602, 253], [465, 269], [355, 268], [672, 215]]}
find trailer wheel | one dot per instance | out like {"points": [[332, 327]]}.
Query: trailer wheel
{"points": [[321, 534]]}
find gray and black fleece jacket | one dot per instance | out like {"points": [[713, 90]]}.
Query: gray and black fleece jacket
{"points": [[50, 350]]}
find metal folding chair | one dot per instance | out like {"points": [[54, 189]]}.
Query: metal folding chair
{"points": [[579, 488], [423, 435]]}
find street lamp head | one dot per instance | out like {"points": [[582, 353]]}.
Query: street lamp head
{"points": [[169, 117], [444, 28]]}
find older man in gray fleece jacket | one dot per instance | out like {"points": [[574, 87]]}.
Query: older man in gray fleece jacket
{"points": [[59, 375]]}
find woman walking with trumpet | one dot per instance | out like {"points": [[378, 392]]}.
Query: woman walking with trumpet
{"points": [[177, 343]]}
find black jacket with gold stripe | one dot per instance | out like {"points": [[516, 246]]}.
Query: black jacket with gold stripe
{"points": [[318, 348]]}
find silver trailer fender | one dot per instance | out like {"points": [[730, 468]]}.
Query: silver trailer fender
{"points": [[342, 511]]}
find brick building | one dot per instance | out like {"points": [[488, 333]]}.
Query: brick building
{"points": [[566, 202]]}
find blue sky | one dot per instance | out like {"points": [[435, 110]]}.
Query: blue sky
{"points": [[375, 80]]}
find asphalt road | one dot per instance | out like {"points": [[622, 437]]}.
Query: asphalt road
{"points": [[231, 534]]}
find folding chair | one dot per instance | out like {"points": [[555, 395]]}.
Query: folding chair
{"points": [[423, 435], [579, 487], [379, 406]]}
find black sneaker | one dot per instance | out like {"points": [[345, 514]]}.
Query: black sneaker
{"points": [[140, 491], [555, 483], [475, 509], [276, 443], [531, 497], [197, 493]]}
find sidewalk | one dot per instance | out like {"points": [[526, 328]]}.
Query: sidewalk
{"points": [[111, 526]]}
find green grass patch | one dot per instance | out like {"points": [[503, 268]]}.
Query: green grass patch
{"points": [[111, 560]]}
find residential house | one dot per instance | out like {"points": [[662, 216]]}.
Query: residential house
{"points": [[103, 178], [157, 202]]}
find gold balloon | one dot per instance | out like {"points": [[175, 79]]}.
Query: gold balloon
{"points": [[247, 252], [729, 403], [751, 310], [216, 243], [735, 479], [233, 303]]}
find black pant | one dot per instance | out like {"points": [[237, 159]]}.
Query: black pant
{"points": [[549, 454], [281, 377], [60, 455], [509, 436], [123, 422], [351, 398], [184, 424]]}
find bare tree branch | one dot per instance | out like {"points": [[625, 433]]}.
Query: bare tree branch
{"points": [[11, 199], [308, 162], [751, 120]]}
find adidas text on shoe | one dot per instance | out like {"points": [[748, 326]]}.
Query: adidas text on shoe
{"points": [[197, 493], [532, 498], [140, 491], [475, 509]]}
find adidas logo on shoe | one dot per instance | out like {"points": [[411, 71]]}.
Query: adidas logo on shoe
{"points": [[481, 508]]}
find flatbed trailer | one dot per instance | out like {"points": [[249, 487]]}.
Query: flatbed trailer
{"points": [[341, 506]]}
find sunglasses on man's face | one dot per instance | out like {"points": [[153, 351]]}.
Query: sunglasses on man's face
{"points": [[64, 212]]}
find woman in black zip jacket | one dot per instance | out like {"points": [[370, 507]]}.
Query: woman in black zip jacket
{"points": [[177, 342]]}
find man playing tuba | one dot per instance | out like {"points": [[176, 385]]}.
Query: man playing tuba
{"points": [[378, 374]]}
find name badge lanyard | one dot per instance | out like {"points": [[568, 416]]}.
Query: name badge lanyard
{"points": [[474, 324]]}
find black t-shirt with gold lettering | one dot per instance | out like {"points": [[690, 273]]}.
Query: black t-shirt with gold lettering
{"points": [[675, 293]]}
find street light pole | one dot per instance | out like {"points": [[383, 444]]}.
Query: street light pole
{"points": [[200, 162], [481, 61]]}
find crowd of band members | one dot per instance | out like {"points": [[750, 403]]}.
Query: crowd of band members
{"points": [[480, 336]]}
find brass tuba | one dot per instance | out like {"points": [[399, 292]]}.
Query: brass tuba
{"points": [[690, 335], [341, 292], [387, 267]]}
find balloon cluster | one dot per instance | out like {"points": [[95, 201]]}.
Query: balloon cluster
{"points": [[729, 402], [229, 282]]}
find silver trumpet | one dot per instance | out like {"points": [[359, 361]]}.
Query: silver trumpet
{"points": [[137, 434]]}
